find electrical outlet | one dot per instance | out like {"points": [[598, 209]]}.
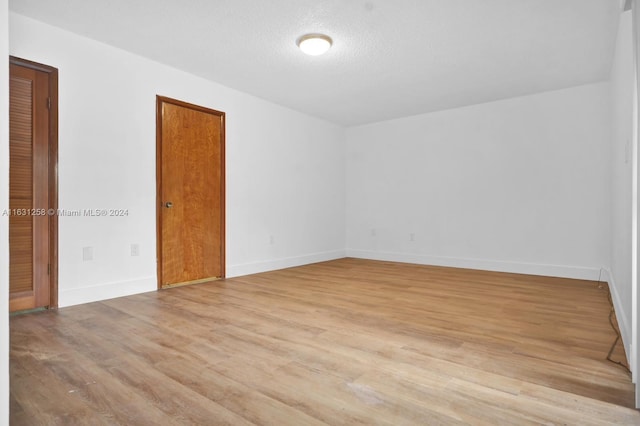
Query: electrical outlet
{"points": [[272, 240], [135, 249], [87, 253], [412, 237], [627, 151], [373, 232]]}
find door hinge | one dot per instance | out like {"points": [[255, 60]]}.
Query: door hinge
{"points": [[48, 103], [48, 269]]}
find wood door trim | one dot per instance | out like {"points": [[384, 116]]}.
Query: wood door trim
{"points": [[159, 101], [53, 171]]}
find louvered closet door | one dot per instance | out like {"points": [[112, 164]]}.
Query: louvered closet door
{"points": [[28, 189]]}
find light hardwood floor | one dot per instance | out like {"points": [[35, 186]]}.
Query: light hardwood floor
{"points": [[342, 342]]}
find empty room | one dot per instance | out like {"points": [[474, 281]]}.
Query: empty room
{"points": [[306, 212]]}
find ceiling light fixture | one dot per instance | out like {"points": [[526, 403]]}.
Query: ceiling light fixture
{"points": [[314, 44]]}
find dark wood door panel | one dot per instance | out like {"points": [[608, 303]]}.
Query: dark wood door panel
{"points": [[32, 177], [191, 193]]}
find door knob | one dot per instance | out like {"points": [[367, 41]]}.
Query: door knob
{"points": [[168, 204]]}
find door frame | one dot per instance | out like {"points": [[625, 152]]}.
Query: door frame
{"points": [[159, 202], [52, 172]]}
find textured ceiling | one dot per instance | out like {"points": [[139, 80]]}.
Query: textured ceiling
{"points": [[391, 58]]}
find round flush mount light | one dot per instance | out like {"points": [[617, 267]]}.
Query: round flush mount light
{"points": [[314, 44]]}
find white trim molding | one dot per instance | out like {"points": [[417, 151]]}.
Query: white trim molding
{"points": [[282, 263], [95, 293], [621, 316], [562, 271]]}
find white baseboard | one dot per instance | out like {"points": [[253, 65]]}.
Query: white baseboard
{"points": [[563, 271], [623, 323], [76, 296], [288, 262]]}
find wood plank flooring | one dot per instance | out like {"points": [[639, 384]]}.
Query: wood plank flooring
{"points": [[345, 342]]}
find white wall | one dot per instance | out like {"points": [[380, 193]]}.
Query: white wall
{"points": [[285, 170], [4, 222], [621, 177], [518, 185]]}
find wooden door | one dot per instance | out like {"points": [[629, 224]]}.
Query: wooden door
{"points": [[190, 175], [32, 185]]}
